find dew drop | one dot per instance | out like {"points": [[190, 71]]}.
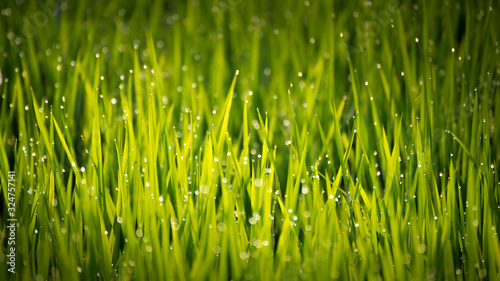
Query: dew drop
{"points": [[204, 189]]}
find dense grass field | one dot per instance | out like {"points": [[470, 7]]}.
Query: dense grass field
{"points": [[249, 140]]}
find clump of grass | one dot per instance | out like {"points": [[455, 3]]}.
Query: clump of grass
{"points": [[251, 140]]}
